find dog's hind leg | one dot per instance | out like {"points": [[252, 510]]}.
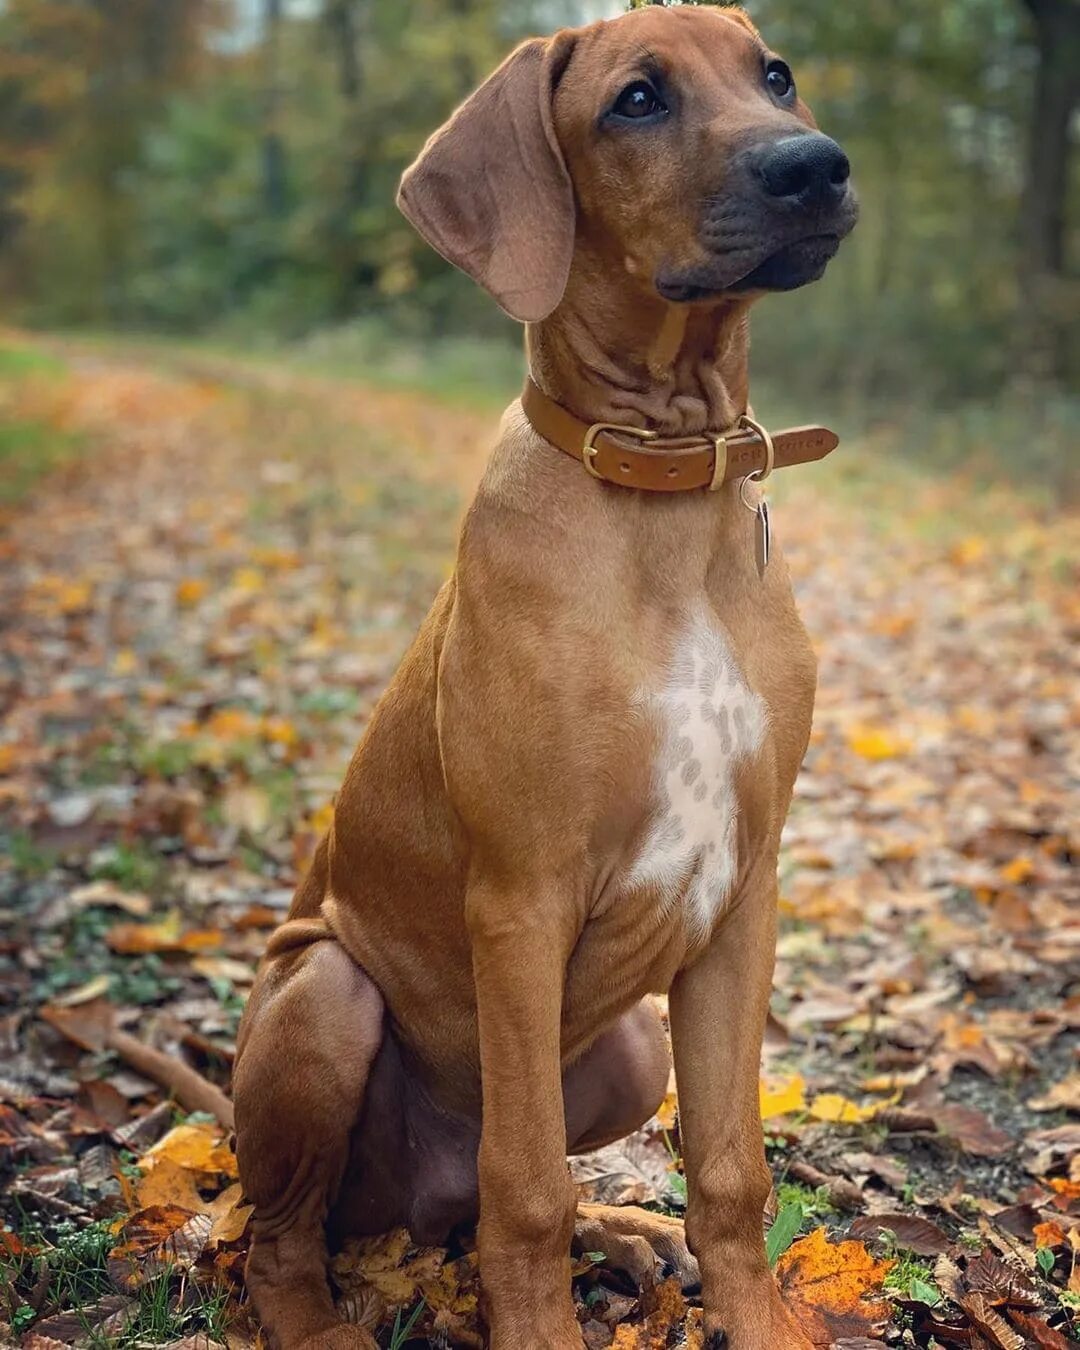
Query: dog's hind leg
{"points": [[309, 1035], [615, 1087]]}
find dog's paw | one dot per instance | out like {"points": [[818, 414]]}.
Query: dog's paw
{"points": [[343, 1337], [648, 1247]]}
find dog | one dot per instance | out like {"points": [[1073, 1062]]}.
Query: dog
{"points": [[570, 796]]}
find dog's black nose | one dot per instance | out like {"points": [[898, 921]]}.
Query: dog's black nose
{"points": [[809, 170]]}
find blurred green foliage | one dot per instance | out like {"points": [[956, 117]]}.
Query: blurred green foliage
{"points": [[197, 165]]}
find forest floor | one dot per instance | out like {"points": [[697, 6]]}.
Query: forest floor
{"points": [[199, 605]]}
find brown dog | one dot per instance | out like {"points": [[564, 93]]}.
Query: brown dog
{"points": [[571, 795]]}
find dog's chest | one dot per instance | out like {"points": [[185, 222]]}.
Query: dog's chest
{"points": [[708, 724]]}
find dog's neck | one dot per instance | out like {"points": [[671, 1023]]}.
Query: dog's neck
{"points": [[617, 354]]}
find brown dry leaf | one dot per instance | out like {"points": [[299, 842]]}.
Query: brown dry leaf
{"points": [[153, 1239], [1002, 1283], [972, 1131], [108, 895], [634, 1171], [1036, 1331], [833, 1290], [991, 1323], [914, 1234], [1063, 1096], [88, 1025], [68, 1327]]}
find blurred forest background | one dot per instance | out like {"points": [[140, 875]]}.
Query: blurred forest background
{"points": [[207, 167]]}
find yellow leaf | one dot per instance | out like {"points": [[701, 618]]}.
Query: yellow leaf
{"points": [[199, 1148], [232, 724], [191, 590], [280, 731], [169, 1183], [125, 662], [971, 549], [74, 596], [872, 742], [249, 579], [667, 1111], [321, 819], [229, 1215], [782, 1098], [832, 1107]]}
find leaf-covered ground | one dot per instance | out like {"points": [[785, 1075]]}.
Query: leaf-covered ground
{"points": [[199, 605]]}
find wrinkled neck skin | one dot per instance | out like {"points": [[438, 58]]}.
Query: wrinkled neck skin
{"points": [[621, 353]]}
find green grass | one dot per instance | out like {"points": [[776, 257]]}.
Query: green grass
{"points": [[66, 1269], [29, 449], [133, 867], [17, 362]]}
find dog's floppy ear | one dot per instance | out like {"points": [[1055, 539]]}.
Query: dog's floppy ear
{"points": [[490, 190]]}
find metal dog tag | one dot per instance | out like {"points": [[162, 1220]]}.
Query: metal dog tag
{"points": [[762, 536]]}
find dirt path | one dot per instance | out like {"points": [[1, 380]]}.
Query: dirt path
{"points": [[195, 620]]}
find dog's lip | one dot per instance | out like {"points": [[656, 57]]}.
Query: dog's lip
{"points": [[686, 291]]}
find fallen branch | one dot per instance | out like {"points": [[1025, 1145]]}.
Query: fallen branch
{"points": [[91, 1026]]}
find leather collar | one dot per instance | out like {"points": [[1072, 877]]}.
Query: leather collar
{"points": [[635, 458]]}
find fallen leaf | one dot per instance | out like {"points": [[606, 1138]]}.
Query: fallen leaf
{"points": [[833, 1290], [830, 1106], [972, 1131], [131, 939], [873, 742], [783, 1098], [198, 1148], [912, 1233], [1063, 1096]]}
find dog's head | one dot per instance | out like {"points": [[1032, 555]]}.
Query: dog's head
{"points": [[671, 142]]}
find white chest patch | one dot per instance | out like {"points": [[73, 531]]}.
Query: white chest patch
{"points": [[710, 720]]}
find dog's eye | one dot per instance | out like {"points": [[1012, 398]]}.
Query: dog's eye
{"points": [[779, 79], [638, 100]]}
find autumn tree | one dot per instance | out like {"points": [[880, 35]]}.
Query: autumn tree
{"points": [[1051, 291]]}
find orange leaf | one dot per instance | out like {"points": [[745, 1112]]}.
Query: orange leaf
{"points": [[1049, 1234], [191, 590], [873, 742], [130, 939], [830, 1288], [1018, 870]]}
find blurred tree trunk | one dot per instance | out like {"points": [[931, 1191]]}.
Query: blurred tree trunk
{"points": [[1044, 283], [273, 147], [342, 21]]}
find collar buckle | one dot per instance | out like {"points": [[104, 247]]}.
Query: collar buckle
{"points": [[589, 449]]}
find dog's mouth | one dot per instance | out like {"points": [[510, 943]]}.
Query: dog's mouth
{"points": [[793, 265], [737, 268]]}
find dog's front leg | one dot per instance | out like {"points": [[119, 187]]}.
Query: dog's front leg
{"points": [[521, 944], [718, 1008]]}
